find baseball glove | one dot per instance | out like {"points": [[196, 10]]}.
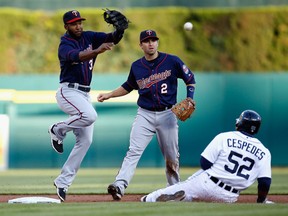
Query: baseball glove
{"points": [[115, 18], [184, 109]]}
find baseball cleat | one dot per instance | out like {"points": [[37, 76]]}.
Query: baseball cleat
{"points": [[114, 191], [61, 193], [56, 144], [178, 196], [143, 199]]}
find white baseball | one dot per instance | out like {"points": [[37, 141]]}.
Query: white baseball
{"points": [[188, 26]]}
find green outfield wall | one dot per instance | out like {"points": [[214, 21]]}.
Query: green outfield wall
{"points": [[29, 103]]}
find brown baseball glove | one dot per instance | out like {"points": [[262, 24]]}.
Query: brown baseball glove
{"points": [[184, 109]]}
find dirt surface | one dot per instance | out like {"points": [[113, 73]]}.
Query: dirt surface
{"points": [[132, 198]]}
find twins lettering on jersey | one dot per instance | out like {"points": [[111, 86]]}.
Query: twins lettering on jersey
{"points": [[248, 147], [152, 79]]}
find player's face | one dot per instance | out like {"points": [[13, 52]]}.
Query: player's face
{"points": [[149, 46], [75, 29]]}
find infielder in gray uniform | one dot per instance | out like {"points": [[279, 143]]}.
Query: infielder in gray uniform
{"points": [[155, 77], [77, 54], [231, 163]]}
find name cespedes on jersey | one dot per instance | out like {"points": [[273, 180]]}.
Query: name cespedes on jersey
{"points": [[154, 78], [240, 144]]}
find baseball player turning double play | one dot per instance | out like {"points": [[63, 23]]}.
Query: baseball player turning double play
{"points": [[77, 54], [155, 77], [230, 163]]}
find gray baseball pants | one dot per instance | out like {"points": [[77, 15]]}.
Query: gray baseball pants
{"points": [[82, 115]]}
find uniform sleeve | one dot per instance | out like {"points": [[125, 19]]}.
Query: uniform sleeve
{"points": [[131, 83], [99, 38], [263, 189], [213, 149], [204, 163], [67, 52], [114, 37], [117, 36], [184, 72], [265, 169]]}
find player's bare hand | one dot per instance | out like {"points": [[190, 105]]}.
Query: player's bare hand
{"points": [[101, 97], [104, 47]]}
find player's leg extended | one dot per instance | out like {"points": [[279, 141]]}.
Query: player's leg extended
{"points": [[78, 106], [167, 135], [193, 188], [174, 192], [141, 134], [69, 170]]}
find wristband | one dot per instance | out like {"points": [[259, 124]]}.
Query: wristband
{"points": [[190, 91]]}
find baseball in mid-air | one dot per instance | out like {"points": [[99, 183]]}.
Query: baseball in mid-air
{"points": [[188, 26]]}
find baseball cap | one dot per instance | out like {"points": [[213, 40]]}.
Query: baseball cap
{"points": [[72, 16], [148, 34]]}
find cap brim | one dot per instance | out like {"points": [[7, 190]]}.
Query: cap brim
{"points": [[148, 38], [75, 20]]}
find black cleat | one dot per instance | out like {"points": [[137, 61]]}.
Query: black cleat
{"points": [[114, 191], [143, 199], [61, 193], [56, 144], [178, 196]]}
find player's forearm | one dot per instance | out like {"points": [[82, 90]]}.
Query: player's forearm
{"points": [[117, 36], [87, 55], [261, 196], [119, 92], [116, 93], [263, 189], [90, 54]]}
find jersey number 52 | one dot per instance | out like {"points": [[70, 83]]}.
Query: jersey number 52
{"points": [[238, 167]]}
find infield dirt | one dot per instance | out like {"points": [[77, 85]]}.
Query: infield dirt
{"points": [[131, 198]]}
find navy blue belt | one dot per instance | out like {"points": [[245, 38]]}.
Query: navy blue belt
{"points": [[81, 88], [223, 185], [158, 109]]}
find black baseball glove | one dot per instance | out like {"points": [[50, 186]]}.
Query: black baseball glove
{"points": [[117, 19]]}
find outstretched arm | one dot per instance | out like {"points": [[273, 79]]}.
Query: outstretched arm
{"points": [[89, 54], [263, 189], [115, 93]]}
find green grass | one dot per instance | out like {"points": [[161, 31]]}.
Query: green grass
{"points": [[139, 209], [94, 181]]}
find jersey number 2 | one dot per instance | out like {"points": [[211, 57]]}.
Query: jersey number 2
{"points": [[164, 88], [234, 158]]}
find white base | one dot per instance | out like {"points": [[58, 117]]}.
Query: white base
{"points": [[29, 200]]}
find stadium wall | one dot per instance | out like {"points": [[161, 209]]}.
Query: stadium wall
{"points": [[30, 104]]}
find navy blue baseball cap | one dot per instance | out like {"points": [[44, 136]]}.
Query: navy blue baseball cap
{"points": [[148, 34], [72, 16]]}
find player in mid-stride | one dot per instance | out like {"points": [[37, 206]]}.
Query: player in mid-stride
{"points": [[155, 77], [231, 163], [77, 54]]}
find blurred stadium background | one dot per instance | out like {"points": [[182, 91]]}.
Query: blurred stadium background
{"points": [[28, 80], [57, 4]]}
